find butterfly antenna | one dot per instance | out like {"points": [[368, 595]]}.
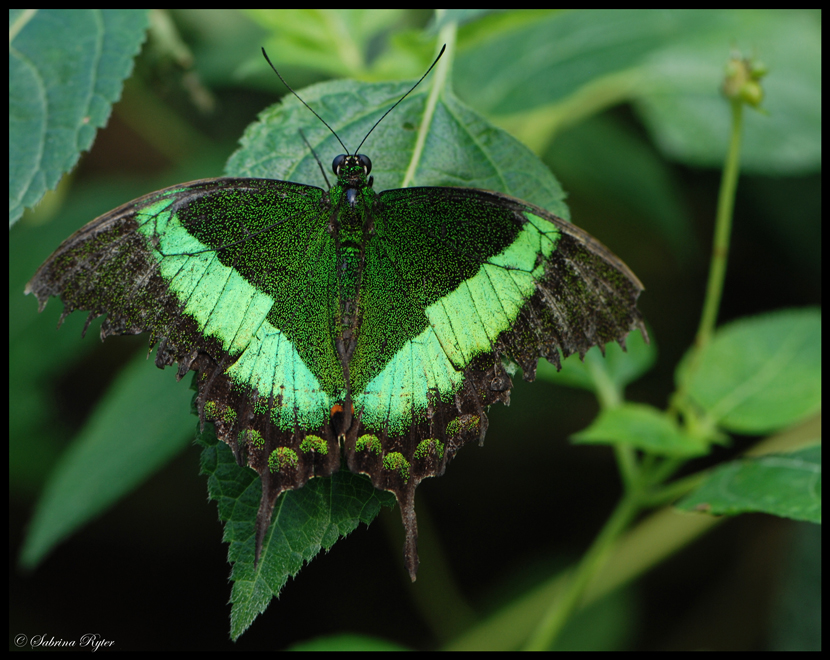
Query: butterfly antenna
{"points": [[345, 149], [308, 106], [314, 153], [443, 48]]}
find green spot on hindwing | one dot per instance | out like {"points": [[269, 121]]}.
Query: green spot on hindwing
{"points": [[396, 462], [369, 442], [426, 447], [253, 438], [282, 458], [217, 412], [462, 425], [314, 443]]}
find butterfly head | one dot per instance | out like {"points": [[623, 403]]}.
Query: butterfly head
{"points": [[353, 169]]}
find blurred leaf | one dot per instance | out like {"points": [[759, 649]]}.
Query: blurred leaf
{"points": [[690, 121], [642, 427], [335, 42], [602, 160], [304, 522], [141, 423], [759, 374], [795, 619], [786, 485], [527, 60], [59, 96], [544, 71]]}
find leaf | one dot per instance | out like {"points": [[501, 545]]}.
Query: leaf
{"points": [[539, 72], [334, 42], [759, 374], [126, 440], [690, 121], [642, 427], [624, 177], [59, 96], [786, 485], [305, 521]]}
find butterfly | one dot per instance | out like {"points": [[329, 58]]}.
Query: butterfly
{"points": [[344, 324]]}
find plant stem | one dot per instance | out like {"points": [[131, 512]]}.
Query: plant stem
{"points": [[592, 561], [720, 251], [723, 229], [561, 609]]}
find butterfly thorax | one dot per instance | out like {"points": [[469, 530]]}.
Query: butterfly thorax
{"points": [[352, 200]]}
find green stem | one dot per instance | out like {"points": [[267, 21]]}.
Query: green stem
{"points": [[592, 561], [720, 251], [723, 228]]}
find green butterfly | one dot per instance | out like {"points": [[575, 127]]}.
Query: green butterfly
{"points": [[321, 323]]}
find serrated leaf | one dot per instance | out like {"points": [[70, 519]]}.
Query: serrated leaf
{"points": [[786, 485], [759, 374], [305, 522], [59, 96], [642, 427], [140, 425]]}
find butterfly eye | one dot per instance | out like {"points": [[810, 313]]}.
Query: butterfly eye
{"points": [[365, 163], [337, 163]]}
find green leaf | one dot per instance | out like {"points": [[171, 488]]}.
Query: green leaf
{"points": [[127, 439], [689, 119], [642, 427], [540, 72], [786, 485], [626, 179], [59, 96], [305, 522], [759, 374], [334, 42]]}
